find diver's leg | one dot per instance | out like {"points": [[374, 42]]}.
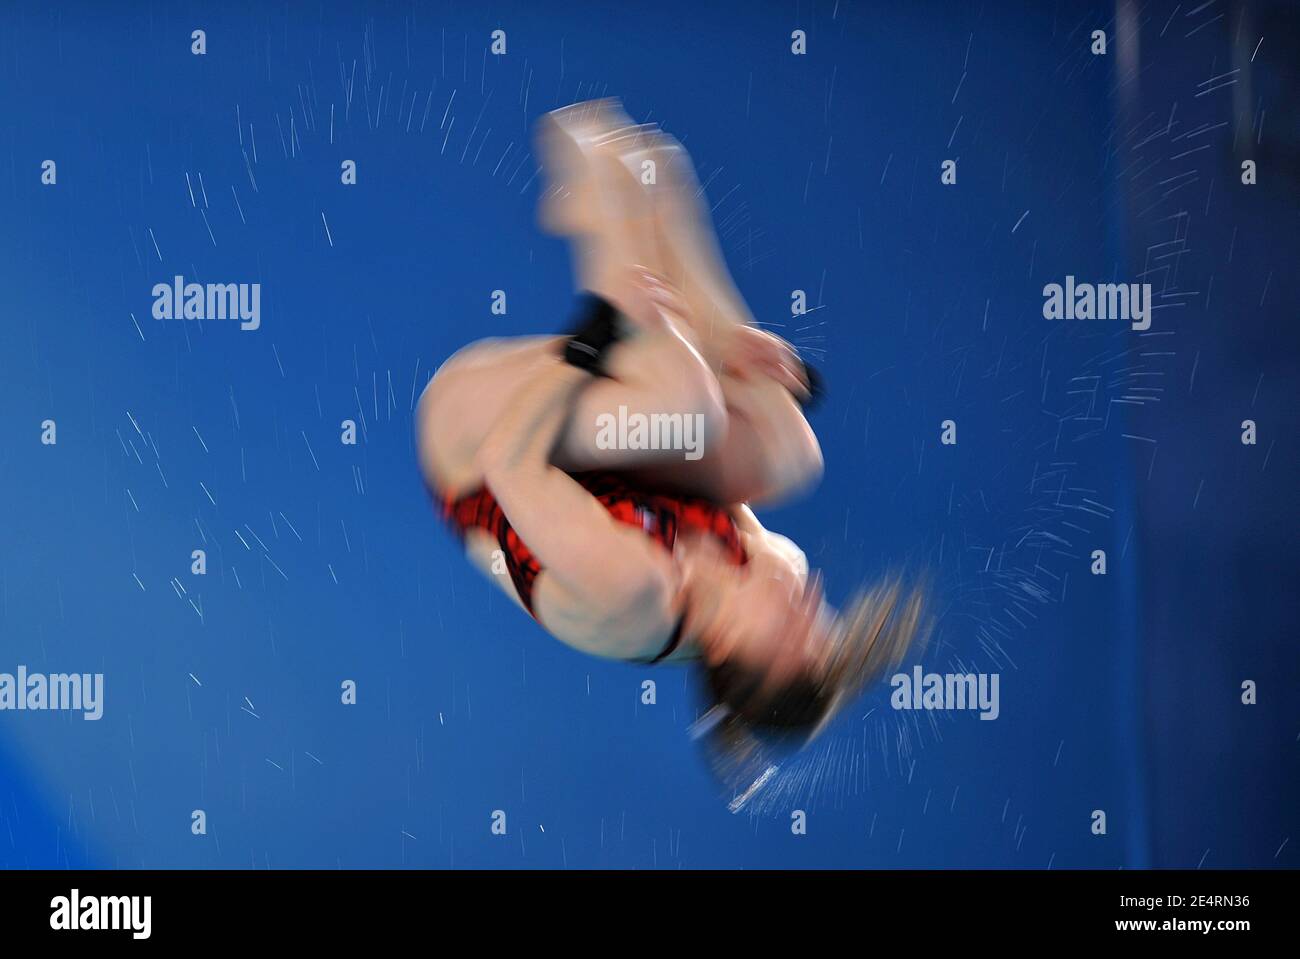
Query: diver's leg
{"points": [[652, 375], [663, 388], [627, 194], [605, 208], [462, 401], [769, 452], [729, 455], [640, 204]]}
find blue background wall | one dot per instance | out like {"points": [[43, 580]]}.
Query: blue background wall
{"points": [[1119, 693]]}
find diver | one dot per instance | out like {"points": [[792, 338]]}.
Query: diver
{"points": [[643, 554]]}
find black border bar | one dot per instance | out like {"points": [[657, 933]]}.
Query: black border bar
{"points": [[248, 909]]}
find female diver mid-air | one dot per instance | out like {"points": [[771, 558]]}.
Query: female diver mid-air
{"points": [[644, 554]]}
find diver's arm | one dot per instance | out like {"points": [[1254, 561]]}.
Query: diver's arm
{"points": [[571, 534]]}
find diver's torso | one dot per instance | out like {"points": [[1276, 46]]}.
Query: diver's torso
{"points": [[492, 545]]}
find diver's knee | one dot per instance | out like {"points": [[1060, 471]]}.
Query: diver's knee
{"points": [[430, 431], [458, 374], [808, 467], [443, 434], [792, 468], [469, 355]]}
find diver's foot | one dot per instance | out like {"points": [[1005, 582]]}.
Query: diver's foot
{"points": [[570, 204]]}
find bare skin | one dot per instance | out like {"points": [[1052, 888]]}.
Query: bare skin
{"points": [[603, 200], [606, 588], [713, 362], [757, 446], [510, 415]]}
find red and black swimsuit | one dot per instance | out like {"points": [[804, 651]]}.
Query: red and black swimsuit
{"points": [[659, 516]]}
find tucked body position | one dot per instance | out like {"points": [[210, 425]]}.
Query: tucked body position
{"points": [[604, 479]]}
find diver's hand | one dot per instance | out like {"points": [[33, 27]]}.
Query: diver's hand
{"points": [[749, 352], [650, 303]]}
